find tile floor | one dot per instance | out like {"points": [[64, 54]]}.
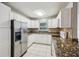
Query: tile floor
{"points": [[38, 50]]}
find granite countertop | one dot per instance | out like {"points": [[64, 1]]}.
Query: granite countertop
{"points": [[35, 30], [40, 32], [65, 48]]}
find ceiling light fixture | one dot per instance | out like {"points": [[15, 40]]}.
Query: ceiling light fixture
{"points": [[39, 12]]}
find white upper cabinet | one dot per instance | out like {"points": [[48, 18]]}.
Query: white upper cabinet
{"points": [[66, 18], [19, 17], [33, 24], [53, 23], [4, 15]]}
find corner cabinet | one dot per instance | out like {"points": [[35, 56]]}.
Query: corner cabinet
{"points": [[4, 30]]}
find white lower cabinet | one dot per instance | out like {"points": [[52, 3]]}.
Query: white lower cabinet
{"points": [[53, 48], [39, 38]]}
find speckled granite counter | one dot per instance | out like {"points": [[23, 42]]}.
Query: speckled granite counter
{"points": [[64, 49]]}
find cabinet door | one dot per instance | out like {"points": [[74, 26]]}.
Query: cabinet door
{"points": [[4, 15], [33, 24], [66, 17], [4, 42]]}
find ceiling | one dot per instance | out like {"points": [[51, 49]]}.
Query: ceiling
{"points": [[36, 10]]}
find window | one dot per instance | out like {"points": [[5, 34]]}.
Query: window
{"points": [[43, 25]]}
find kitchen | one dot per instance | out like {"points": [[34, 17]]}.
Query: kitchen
{"points": [[21, 32]]}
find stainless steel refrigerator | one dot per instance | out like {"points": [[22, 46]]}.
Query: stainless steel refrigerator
{"points": [[18, 38], [23, 37]]}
